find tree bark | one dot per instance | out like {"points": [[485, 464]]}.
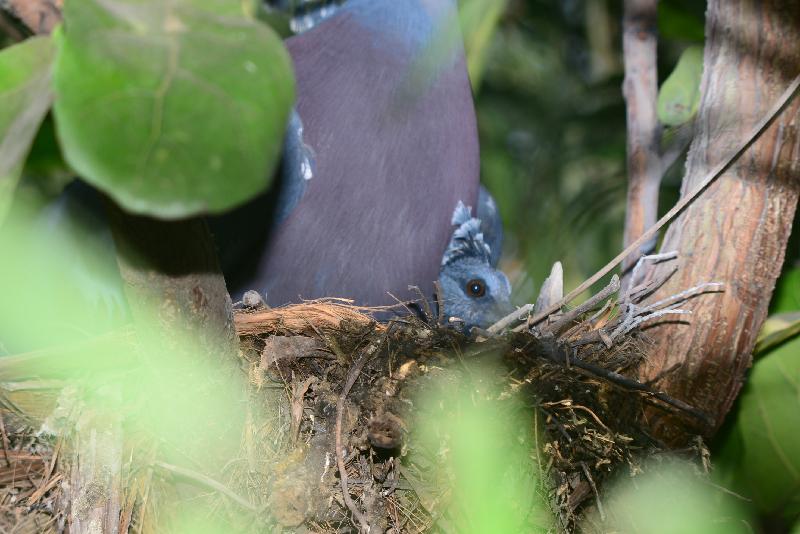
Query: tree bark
{"points": [[736, 232], [170, 268], [645, 169]]}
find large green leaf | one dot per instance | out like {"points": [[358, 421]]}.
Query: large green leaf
{"points": [[767, 468], [172, 107], [679, 96], [25, 97]]}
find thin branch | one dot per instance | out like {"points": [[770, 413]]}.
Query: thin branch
{"points": [[634, 279], [589, 479], [645, 168], [437, 287], [587, 306], [513, 317], [635, 385]]}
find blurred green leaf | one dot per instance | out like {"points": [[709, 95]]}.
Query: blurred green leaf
{"points": [[45, 165], [766, 464], [177, 404], [669, 498], [480, 447], [479, 19], [679, 96], [63, 285], [25, 97], [172, 108]]}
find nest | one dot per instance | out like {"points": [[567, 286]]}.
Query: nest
{"points": [[334, 443]]}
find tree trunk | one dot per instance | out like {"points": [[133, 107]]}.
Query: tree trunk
{"points": [[736, 232]]}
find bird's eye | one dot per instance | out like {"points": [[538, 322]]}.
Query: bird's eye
{"points": [[476, 288]]}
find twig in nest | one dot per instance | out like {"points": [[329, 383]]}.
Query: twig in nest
{"points": [[6, 443], [206, 481], [636, 286], [588, 323], [552, 418], [635, 316], [570, 316], [638, 293], [426, 307], [513, 317], [437, 287], [635, 385], [352, 375], [590, 480], [298, 393], [634, 320]]}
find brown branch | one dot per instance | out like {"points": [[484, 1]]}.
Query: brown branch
{"points": [[645, 168], [738, 231], [40, 16]]}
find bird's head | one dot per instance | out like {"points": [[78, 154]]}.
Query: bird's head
{"points": [[473, 291]]}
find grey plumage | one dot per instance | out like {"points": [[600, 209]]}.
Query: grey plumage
{"points": [[473, 290], [491, 224]]}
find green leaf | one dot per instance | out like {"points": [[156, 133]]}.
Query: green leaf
{"points": [[767, 422], [679, 96], [25, 97], [173, 108], [776, 330]]}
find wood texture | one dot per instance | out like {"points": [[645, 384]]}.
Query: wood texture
{"points": [[736, 231], [645, 168]]}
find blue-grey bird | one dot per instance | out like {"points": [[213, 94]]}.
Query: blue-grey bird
{"points": [[382, 146], [473, 290]]}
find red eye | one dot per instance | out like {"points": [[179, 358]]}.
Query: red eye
{"points": [[476, 288]]}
